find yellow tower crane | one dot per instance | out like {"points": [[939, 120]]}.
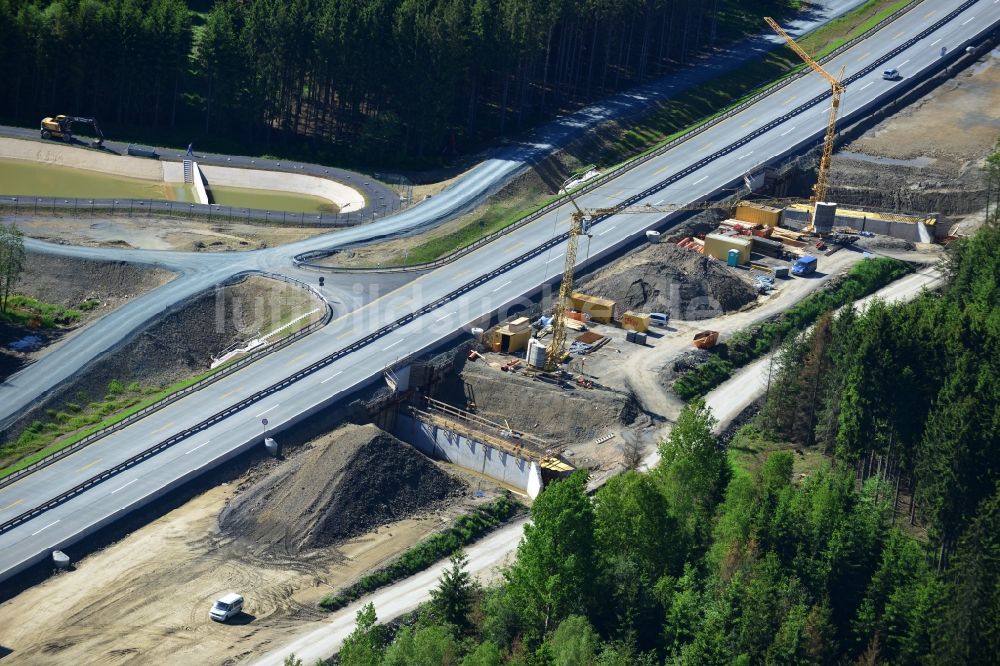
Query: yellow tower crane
{"points": [[579, 223], [837, 87]]}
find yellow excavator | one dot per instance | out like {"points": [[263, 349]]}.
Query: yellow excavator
{"points": [[61, 127]]}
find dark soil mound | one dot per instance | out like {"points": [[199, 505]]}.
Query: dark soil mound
{"points": [[355, 481], [666, 278]]}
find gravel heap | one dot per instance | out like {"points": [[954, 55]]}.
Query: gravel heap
{"points": [[665, 278], [349, 484]]}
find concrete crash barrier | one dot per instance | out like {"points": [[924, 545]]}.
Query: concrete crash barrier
{"points": [[346, 198]]}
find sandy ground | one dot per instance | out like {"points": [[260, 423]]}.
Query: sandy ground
{"points": [[966, 105], [145, 599], [161, 233]]}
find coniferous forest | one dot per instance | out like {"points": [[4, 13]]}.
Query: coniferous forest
{"points": [[887, 553], [387, 79]]}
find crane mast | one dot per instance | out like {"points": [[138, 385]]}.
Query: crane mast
{"points": [[556, 351], [837, 89]]}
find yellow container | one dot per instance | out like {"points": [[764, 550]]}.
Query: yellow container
{"points": [[634, 321], [507, 341], [758, 214], [600, 309], [718, 246]]}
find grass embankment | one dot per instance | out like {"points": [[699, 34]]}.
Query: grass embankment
{"points": [[466, 529], [665, 122], [752, 343], [80, 419], [33, 313]]}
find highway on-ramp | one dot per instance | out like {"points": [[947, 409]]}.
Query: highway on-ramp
{"points": [[311, 374], [198, 272]]}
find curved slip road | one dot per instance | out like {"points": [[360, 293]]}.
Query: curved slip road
{"points": [[486, 281], [198, 272]]}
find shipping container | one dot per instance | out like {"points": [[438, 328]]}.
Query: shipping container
{"points": [[758, 214], [718, 246], [601, 310], [634, 321]]}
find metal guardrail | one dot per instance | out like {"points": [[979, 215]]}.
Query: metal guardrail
{"points": [[302, 260], [372, 337], [224, 371]]}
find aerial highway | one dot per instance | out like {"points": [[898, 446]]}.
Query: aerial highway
{"points": [[225, 418], [197, 272]]}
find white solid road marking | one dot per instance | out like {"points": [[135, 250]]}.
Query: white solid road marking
{"points": [[393, 344], [971, 18], [450, 314], [745, 155], [268, 410], [904, 62], [44, 528], [197, 447], [605, 231], [939, 39], [123, 487], [867, 84], [554, 258], [492, 292], [339, 372], [788, 131], [699, 180]]}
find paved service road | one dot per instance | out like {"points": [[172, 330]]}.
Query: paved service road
{"points": [[435, 307], [200, 271]]}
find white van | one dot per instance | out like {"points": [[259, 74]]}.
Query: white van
{"points": [[226, 607], [659, 318]]}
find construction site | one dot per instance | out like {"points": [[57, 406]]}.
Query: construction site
{"points": [[579, 379]]}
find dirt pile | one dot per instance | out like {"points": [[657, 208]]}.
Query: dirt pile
{"points": [[358, 480], [928, 156], [94, 287], [181, 343], [557, 415], [71, 281], [665, 278]]}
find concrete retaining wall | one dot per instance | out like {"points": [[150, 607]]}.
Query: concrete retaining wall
{"points": [[50, 152], [475, 456], [199, 184], [347, 198]]}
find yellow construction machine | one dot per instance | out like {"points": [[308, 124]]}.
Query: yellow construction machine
{"points": [[61, 127]]}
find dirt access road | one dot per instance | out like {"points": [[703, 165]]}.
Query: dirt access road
{"points": [[319, 642], [145, 599]]}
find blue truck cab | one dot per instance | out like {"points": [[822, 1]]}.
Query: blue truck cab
{"points": [[804, 266]]}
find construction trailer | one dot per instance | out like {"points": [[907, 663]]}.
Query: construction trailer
{"points": [[512, 336], [718, 246], [634, 321], [601, 310], [755, 213]]}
